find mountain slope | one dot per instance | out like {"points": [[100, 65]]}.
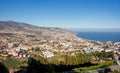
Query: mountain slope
{"points": [[11, 26], [31, 35]]}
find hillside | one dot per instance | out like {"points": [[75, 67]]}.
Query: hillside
{"points": [[54, 49], [31, 35], [11, 26]]}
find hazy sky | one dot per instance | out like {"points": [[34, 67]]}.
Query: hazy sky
{"points": [[63, 13]]}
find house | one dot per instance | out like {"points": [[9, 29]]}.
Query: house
{"points": [[12, 52], [25, 47], [108, 50], [21, 55], [117, 44]]}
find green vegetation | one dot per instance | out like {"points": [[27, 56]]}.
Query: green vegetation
{"points": [[60, 62], [101, 65], [102, 55], [12, 63], [68, 59]]}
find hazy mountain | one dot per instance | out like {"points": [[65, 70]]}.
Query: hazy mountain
{"points": [[11, 26]]}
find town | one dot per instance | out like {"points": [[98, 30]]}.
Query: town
{"points": [[54, 46], [17, 50]]}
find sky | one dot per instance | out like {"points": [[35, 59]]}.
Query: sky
{"points": [[63, 13]]}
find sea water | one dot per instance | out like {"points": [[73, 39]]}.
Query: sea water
{"points": [[100, 36]]}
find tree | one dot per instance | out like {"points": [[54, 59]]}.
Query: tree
{"points": [[3, 69], [35, 66]]}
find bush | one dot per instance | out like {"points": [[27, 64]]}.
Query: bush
{"points": [[101, 65], [12, 63]]}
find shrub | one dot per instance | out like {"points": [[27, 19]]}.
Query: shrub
{"points": [[12, 63], [101, 65]]}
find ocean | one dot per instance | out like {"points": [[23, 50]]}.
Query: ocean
{"points": [[100, 36]]}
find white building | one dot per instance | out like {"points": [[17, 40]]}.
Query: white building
{"points": [[108, 50], [47, 54]]}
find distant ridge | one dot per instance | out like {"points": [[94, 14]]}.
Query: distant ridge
{"points": [[20, 26]]}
